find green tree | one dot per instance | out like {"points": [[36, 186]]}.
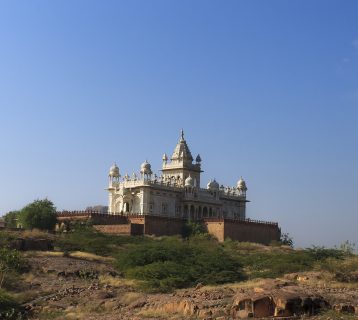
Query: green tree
{"points": [[192, 229], [39, 214], [11, 219], [10, 260], [286, 239]]}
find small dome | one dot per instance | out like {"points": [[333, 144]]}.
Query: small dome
{"points": [[241, 184], [165, 157], [213, 185], [198, 158], [114, 171], [189, 182], [146, 168]]}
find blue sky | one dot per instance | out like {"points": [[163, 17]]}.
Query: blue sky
{"points": [[263, 89]]}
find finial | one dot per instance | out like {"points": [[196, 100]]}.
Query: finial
{"points": [[182, 134]]}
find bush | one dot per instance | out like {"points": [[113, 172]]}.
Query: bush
{"points": [[192, 229], [172, 263], [344, 270], [9, 308], [86, 238], [40, 214], [10, 260], [6, 238], [348, 248], [286, 239], [11, 219], [321, 253]]}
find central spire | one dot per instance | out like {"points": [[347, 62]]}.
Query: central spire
{"points": [[182, 152], [182, 135]]}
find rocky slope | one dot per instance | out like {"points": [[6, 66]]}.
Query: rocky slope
{"points": [[84, 286]]}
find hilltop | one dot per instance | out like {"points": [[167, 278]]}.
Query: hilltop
{"points": [[90, 275]]}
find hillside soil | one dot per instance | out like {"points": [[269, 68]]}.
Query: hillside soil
{"points": [[85, 286]]}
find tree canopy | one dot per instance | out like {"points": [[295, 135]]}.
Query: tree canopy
{"points": [[40, 214], [11, 219]]}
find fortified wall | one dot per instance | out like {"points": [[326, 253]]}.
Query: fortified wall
{"points": [[134, 224], [243, 230]]}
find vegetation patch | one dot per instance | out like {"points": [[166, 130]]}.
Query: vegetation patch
{"points": [[9, 308], [174, 263], [86, 239]]}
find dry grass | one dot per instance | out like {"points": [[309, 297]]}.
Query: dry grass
{"points": [[130, 297], [152, 314], [26, 296], [89, 257], [117, 282], [331, 314], [327, 280], [43, 254], [76, 254], [36, 233], [75, 316], [249, 284]]}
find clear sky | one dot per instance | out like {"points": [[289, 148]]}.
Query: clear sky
{"points": [[263, 89]]}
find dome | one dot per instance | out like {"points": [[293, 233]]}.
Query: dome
{"points": [[213, 185], [146, 168], [114, 171], [241, 184], [189, 182]]}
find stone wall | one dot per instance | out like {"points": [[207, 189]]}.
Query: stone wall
{"points": [[136, 219], [121, 229], [137, 229], [124, 229], [26, 244], [251, 231], [215, 228], [243, 230], [161, 226], [95, 217]]}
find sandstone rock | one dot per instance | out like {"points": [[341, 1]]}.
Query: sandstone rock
{"points": [[137, 304], [104, 295], [345, 308], [111, 305], [284, 302], [204, 313]]}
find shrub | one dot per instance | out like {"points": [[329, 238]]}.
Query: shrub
{"points": [[10, 260], [173, 263], [347, 248], [86, 238], [6, 237], [321, 253], [9, 308], [11, 219], [6, 302], [40, 214], [192, 228], [286, 239]]}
